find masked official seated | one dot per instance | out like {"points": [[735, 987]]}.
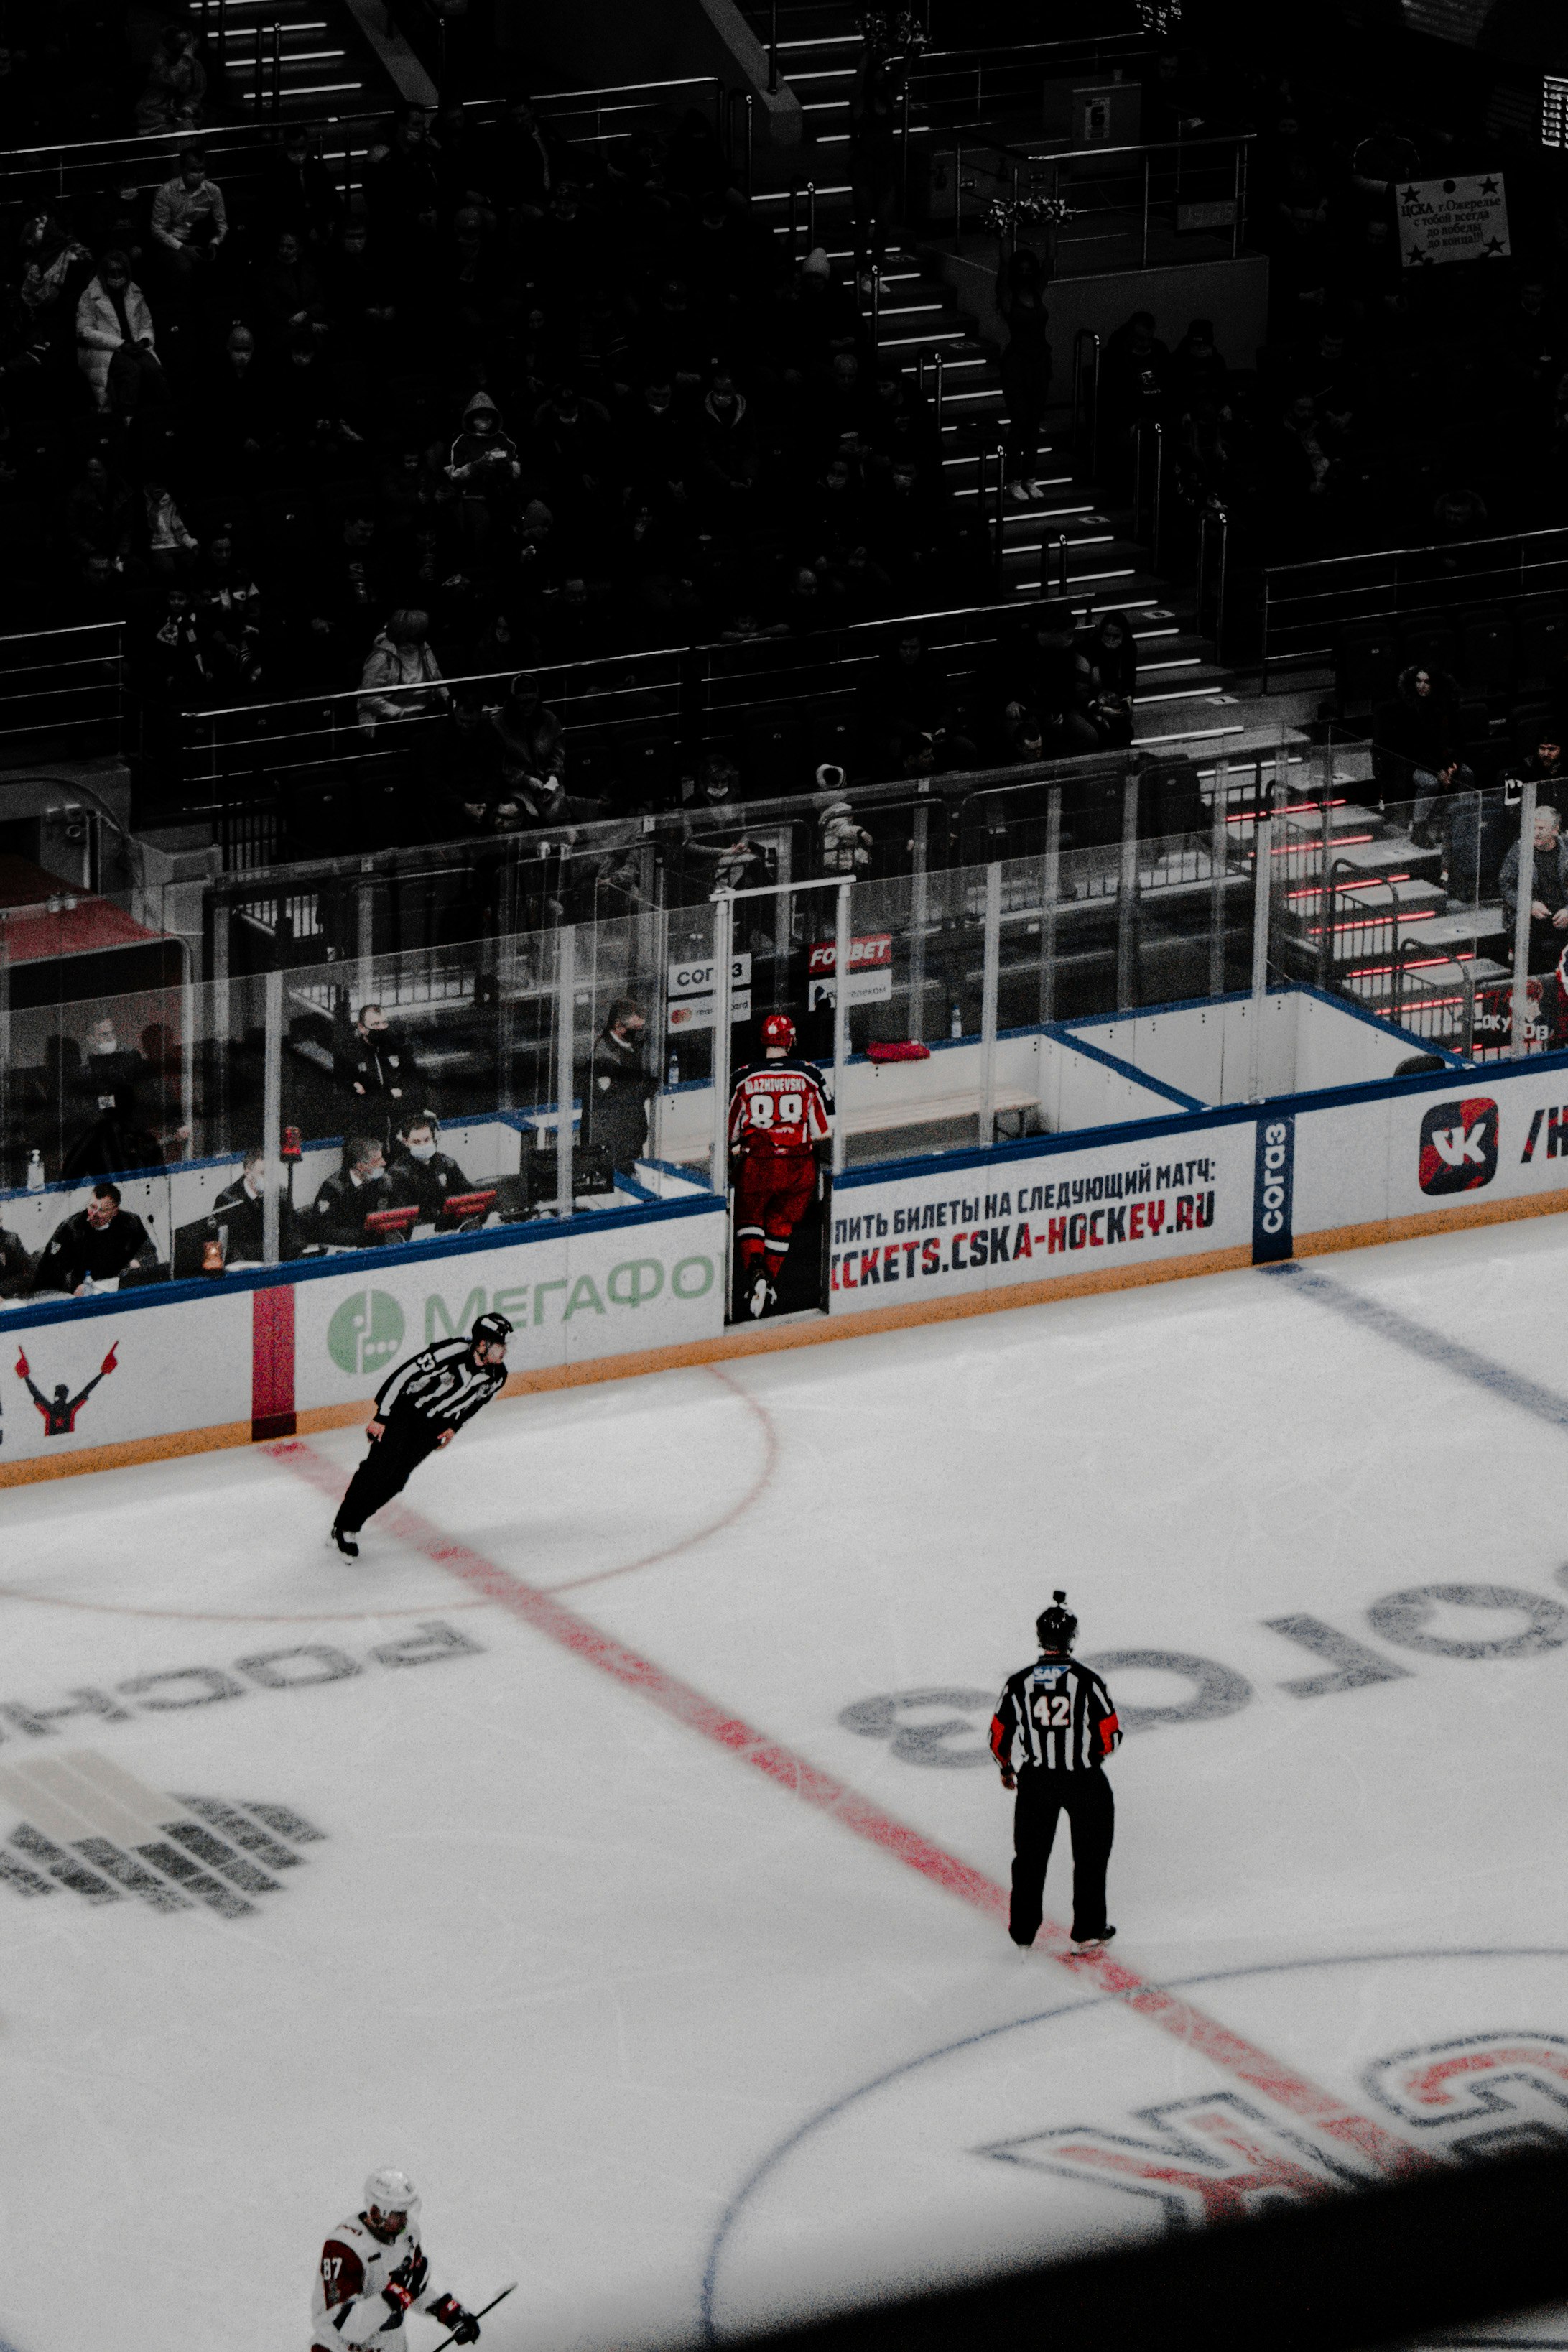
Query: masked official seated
{"points": [[424, 1177], [234, 1228]]}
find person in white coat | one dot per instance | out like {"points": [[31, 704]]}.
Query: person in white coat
{"points": [[111, 313]]}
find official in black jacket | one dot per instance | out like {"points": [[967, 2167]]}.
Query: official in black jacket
{"points": [[423, 1174], [16, 1265], [377, 1067], [419, 1406], [115, 1143], [337, 1216], [238, 1216], [1057, 1717], [98, 1244], [620, 1087]]}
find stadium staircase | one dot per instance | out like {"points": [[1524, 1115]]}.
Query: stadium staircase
{"points": [[1387, 892], [304, 57], [1076, 540]]}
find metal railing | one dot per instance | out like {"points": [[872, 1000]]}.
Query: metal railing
{"points": [[971, 84], [972, 952], [1095, 897], [739, 149], [1130, 207], [683, 698], [1086, 407], [1213, 573], [1306, 606], [62, 687], [589, 117], [1149, 485]]}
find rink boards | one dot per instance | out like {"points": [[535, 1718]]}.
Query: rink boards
{"points": [[192, 1366]]}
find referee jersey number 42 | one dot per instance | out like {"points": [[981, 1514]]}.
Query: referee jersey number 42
{"points": [[1060, 1713]]}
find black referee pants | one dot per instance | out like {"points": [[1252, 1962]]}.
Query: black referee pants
{"points": [[1085, 1797], [392, 1459]]}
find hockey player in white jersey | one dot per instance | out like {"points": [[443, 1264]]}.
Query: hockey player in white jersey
{"points": [[373, 2271]]}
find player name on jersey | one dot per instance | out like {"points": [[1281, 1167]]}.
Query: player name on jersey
{"points": [[779, 1107]]}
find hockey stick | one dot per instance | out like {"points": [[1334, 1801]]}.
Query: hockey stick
{"points": [[495, 2299]]}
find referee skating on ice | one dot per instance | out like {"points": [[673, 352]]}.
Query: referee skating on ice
{"points": [[1060, 1713], [420, 1405]]}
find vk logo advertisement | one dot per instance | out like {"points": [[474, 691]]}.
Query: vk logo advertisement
{"points": [[1458, 1145], [1272, 1179]]}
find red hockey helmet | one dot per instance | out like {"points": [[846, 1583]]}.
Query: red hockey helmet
{"points": [[778, 1031]]}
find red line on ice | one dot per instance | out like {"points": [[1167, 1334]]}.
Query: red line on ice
{"points": [[1289, 2089]]}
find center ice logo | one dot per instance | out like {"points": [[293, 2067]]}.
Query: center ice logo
{"points": [[365, 1333], [90, 1829], [1458, 1145], [1220, 2156]]}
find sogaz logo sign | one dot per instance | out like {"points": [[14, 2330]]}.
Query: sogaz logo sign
{"points": [[365, 1333], [1272, 1186]]}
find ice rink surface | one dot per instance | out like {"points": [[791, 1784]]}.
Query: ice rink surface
{"points": [[653, 1925]]}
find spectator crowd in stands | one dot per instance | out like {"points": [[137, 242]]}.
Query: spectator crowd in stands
{"points": [[518, 402], [1396, 405], [506, 402]]}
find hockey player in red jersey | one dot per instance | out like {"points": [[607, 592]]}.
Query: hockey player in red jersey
{"points": [[779, 1115], [373, 2270]]}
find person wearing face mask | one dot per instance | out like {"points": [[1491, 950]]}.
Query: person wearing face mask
{"points": [[336, 1219], [106, 1064], [378, 1066], [423, 1175], [237, 1217], [620, 1087]]}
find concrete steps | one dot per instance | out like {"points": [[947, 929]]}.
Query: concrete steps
{"points": [[1069, 539], [317, 68]]}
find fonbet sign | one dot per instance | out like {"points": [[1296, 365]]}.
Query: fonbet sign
{"points": [[571, 1297]]}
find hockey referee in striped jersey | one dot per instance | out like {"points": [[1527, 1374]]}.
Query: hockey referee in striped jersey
{"points": [[420, 1405], [1060, 1713]]}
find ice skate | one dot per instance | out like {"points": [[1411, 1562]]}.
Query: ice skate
{"points": [[344, 1541], [760, 1296], [1092, 1943]]}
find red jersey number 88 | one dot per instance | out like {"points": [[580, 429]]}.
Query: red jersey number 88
{"points": [[763, 1111]]}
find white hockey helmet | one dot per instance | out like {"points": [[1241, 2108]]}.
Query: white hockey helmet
{"points": [[392, 2191]]}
